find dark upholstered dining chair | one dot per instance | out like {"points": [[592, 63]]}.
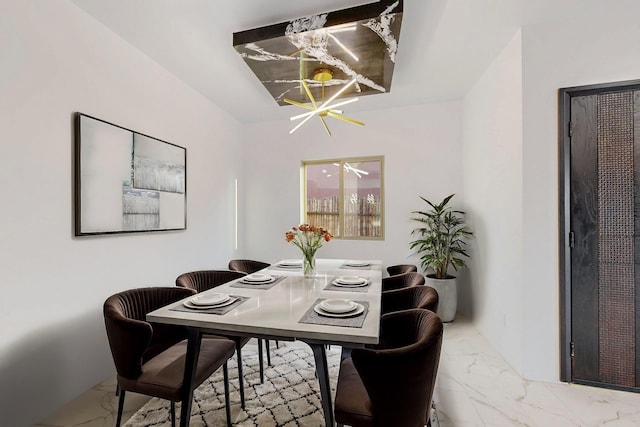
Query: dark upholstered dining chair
{"points": [[250, 266], [394, 270], [203, 280], [150, 357], [424, 297], [404, 280], [392, 384]]}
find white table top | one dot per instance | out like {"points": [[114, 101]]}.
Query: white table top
{"points": [[275, 313]]}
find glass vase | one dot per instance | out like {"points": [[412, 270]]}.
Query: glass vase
{"points": [[309, 264]]}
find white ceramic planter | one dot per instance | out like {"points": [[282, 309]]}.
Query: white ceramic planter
{"points": [[447, 296]]}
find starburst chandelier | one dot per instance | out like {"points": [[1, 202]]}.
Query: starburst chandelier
{"points": [[325, 108]]}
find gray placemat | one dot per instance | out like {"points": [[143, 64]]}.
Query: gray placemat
{"points": [[277, 267], [241, 284], [350, 322], [351, 267], [218, 310], [361, 289]]}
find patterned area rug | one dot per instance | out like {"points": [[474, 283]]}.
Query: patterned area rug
{"points": [[289, 396]]}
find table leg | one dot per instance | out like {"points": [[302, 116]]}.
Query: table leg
{"points": [[261, 361], [322, 371], [191, 361]]}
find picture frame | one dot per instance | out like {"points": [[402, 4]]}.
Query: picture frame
{"points": [[126, 181]]}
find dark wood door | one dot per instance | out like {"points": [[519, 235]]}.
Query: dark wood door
{"points": [[604, 166], [584, 222]]}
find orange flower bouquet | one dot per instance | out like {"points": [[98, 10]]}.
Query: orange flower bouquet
{"points": [[309, 239]]}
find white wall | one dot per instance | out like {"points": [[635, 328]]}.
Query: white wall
{"points": [[598, 44], [492, 153], [421, 146], [55, 60]]}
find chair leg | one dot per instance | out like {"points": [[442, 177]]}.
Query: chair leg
{"points": [[268, 352], [240, 375], [227, 405], [173, 414], [434, 416], [277, 344], [261, 360], [117, 390], [120, 407]]}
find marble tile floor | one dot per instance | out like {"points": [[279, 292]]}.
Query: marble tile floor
{"points": [[475, 387]]}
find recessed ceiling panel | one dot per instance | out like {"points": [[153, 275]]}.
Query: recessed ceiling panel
{"points": [[357, 43]]}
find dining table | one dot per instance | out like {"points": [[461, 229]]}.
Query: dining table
{"points": [[286, 307]]}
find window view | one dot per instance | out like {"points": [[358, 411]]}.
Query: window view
{"points": [[345, 196]]}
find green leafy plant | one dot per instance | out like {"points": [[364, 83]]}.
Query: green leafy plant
{"points": [[442, 238]]}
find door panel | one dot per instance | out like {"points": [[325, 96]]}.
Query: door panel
{"points": [[616, 291], [636, 194], [603, 211], [584, 220]]}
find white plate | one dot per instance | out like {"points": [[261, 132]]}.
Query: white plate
{"points": [[357, 264], [209, 299], [256, 282], [337, 305], [188, 304], [358, 310], [290, 263], [258, 277], [357, 285], [351, 280]]}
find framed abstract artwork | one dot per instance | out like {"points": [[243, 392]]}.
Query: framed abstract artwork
{"points": [[126, 182]]}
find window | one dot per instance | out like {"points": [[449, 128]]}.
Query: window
{"points": [[345, 196]]}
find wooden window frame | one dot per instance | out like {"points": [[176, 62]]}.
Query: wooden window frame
{"points": [[341, 208]]}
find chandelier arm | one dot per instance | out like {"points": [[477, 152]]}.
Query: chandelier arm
{"points": [[299, 104], [346, 119], [300, 124], [321, 109], [338, 93], [325, 125], [306, 88]]}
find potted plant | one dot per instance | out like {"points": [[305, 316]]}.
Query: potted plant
{"points": [[441, 244]]}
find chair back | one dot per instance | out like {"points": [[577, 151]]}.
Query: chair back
{"points": [[247, 265], [403, 280], [206, 279], [401, 268], [424, 297], [400, 377], [132, 339]]}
